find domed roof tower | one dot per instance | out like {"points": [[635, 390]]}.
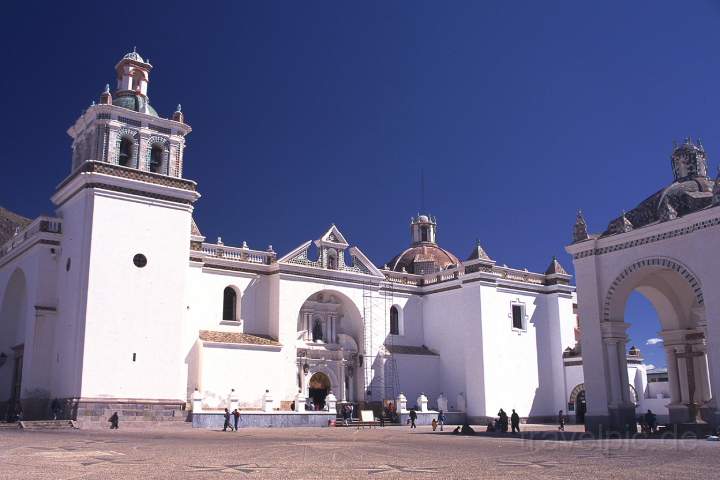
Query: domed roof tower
{"points": [[424, 255], [133, 76]]}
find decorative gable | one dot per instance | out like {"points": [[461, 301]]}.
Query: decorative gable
{"points": [[333, 249]]}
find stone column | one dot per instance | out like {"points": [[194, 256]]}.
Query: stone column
{"points": [[683, 378], [611, 351], [673, 378], [343, 392]]}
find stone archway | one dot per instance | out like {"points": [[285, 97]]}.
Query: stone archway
{"points": [[319, 386], [13, 318], [576, 403], [329, 330], [677, 296]]}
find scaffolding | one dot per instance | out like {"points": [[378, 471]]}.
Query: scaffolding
{"points": [[385, 386]]}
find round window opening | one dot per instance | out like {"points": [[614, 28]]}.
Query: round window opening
{"points": [[140, 260]]}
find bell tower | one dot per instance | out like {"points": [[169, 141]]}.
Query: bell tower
{"points": [[124, 129], [127, 215]]}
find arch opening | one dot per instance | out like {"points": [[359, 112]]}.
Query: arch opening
{"points": [[677, 303], [329, 330]]}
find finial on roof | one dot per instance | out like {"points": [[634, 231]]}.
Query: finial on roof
{"points": [[105, 97], [134, 49], [178, 115], [580, 231], [555, 268]]}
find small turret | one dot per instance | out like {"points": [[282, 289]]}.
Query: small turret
{"points": [[689, 160], [716, 190], [178, 115], [423, 229], [580, 231], [106, 96]]}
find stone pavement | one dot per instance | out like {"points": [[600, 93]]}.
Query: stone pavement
{"points": [[328, 453]]}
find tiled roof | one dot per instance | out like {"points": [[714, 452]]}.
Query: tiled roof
{"points": [[410, 350], [194, 230], [9, 222], [239, 338], [555, 268]]}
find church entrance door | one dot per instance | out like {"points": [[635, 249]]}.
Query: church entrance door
{"points": [[318, 388], [580, 408]]}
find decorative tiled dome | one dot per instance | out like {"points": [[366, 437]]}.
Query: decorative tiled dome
{"points": [[135, 102], [133, 56], [424, 258]]}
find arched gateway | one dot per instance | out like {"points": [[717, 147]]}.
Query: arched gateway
{"points": [[665, 249]]}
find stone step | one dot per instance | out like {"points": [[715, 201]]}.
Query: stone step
{"points": [[48, 425], [9, 426]]}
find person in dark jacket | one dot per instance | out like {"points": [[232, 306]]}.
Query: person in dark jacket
{"points": [[114, 421], [236, 417], [441, 420], [503, 418], [515, 422], [413, 417], [227, 421], [561, 421]]}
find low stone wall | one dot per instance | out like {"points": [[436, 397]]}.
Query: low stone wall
{"points": [[216, 420], [95, 413], [426, 418]]}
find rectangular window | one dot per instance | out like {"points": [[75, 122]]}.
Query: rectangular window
{"points": [[518, 320]]}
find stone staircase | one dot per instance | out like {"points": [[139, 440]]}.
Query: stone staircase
{"points": [[9, 426], [132, 415]]}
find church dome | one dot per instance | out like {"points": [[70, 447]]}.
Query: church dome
{"points": [[424, 258], [133, 56], [136, 103]]}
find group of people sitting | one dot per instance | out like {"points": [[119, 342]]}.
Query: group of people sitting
{"points": [[501, 422]]}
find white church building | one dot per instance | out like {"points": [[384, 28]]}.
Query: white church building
{"points": [[97, 312]]}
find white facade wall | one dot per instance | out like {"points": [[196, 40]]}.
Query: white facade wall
{"points": [[133, 320]]}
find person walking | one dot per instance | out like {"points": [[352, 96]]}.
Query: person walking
{"points": [[561, 421], [236, 417], [413, 417], [114, 421], [227, 421], [515, 422], [441, 420], [434, 424]]}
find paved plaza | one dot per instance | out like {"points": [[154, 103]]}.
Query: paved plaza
{"points": [[393, 452]]}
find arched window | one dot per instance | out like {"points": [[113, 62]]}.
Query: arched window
{"points": [[125, 156], [156, 159], [229, 304], [424, 234], [394, 321]]}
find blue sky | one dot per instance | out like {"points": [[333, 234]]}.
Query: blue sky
{"points": [[307, 113]]}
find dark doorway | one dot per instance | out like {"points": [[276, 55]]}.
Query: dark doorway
{"points": [[580, 408], [318, 388]]}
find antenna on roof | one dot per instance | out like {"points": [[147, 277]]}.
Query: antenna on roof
{"points": [[422, 191]]}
